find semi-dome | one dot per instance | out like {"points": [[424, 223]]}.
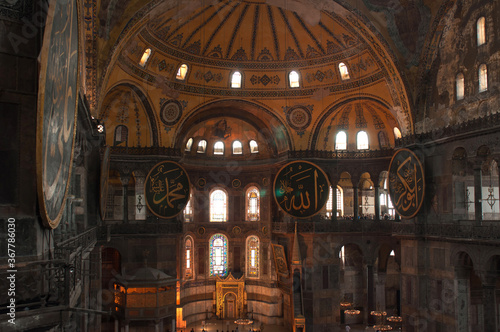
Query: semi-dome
{"points": [[292, 62]]}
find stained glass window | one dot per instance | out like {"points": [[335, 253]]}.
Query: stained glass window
{"points": [[218, 255], [252, 256], [218, 205], [189, 258], [253, 204]]}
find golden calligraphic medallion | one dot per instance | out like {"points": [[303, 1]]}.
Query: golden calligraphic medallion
{"points": [[406, 183], [301, 189], [104, 182], [166, 189], [57, 109]]}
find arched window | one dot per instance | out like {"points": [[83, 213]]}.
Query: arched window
{"points": [[460, 86], [145, 57], [188, 272], [362, 140], [202, 146], [253, 245], [344, 72], [189, 144], [341, 141], [481, 31], [340, 202], [219, 148], [236, 80], [397, 133], [383, 139], [253, 204], [188, 210], [254, 147], [483, 78], [218, 205], [293, 78], [218, 255], [182, 72], [237, 147], [121, 135]]}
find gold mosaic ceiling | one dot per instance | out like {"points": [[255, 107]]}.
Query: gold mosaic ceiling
{"points": [[252, 31], [264, 40]]}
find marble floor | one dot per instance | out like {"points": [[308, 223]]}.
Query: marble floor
{"points": [[230, 326]]}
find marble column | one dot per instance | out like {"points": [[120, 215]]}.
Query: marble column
{"points": [[380, 291], [489, 307], [370, 293], [478, 194], [334, 203], [463, 300], [356, 202], [376, 186]]}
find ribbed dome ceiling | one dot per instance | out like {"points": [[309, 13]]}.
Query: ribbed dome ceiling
{"points": [[252, 31]]}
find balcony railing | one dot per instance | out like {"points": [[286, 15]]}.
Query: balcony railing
{"points": [[490, 231], [451, 231], [341, 226]]}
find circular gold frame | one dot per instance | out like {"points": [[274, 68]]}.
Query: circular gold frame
{"points": [[417, 209], [146, 179], [288, 164]]}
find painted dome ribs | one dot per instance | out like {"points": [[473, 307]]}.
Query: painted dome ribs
{"points": [[309, 32], [330, 33], [202, 25], [287, 23], [273, 28], [236, 29], [186, 22], [254, 31], [219, 27], [162, 25]]}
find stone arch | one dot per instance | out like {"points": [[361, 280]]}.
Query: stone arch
{"points": [[263, 120], [144, 100]]}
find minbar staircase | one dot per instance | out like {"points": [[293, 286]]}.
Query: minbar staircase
{"points": [[298, 307]]}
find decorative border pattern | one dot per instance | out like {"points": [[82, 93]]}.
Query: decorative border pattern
{"points": [[150, 38], [132, 69]]}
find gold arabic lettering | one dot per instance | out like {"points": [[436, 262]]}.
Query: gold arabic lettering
{"points": [[408, 190]]}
